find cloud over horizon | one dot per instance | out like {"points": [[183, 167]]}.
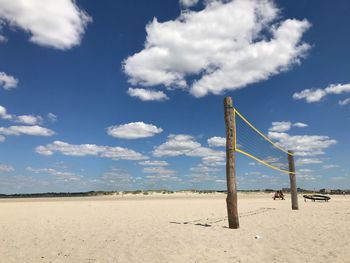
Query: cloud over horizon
{"points": [[114, 153]]}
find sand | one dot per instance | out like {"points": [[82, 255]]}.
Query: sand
{"points": [[173, 228]]}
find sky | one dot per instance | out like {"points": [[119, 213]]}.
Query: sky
{"points": [[126, 95]]}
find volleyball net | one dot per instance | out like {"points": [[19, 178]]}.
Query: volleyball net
{"points": [[254, 144]]}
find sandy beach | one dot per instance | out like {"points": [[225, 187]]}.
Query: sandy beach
{"points": [[173, 228]]}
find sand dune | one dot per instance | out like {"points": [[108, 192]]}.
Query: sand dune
{"points": [[173, 228]]}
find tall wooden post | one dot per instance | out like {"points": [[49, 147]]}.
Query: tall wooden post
{"points": [[293, 183], [231, 200]]}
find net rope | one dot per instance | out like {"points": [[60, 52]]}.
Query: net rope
{"points": [[254, 144]]}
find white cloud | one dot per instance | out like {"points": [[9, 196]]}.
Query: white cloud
{"points": [[315, 95], [280, 126], [283, 126], [188, 3], [7, 81], [3, 113], [303, 145], [344, 102], [5, 168], [176, 145], [117, 176], [217, 141], [133, 130], [183, 144], [52, 171], [310, 95], [147, 94], [33, 129], [214, 160], [57, 24], [154, 163], [300, 125], [52, 117], [203, 169], [28, 119], [24, 119], [115, 153], [158, 170], [226, 46], [26, 130]]}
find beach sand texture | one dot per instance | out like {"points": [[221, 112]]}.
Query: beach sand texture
{"points": [[173, 228]]}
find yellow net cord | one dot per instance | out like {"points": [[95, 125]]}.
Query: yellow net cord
{"points": [[254, 144]]}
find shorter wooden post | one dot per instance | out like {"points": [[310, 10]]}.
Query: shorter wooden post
{"points": [[231, 200], [293, 184]]}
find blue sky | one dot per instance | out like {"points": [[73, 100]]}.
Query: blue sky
{"points": [[129, 95]]}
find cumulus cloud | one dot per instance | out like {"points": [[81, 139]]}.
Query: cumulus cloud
{"points": [[26, 130], [182, 144], [280, 126], [24, 119], [5, 168], [147, 94], [133, 130], [3, 113], [225, 46], [114, 153], [217, 141], [214, 160], [302, 145], [51, 23], [176, 145], [34, 129], [7, 81], [28, 119], [154, 163], [188, 3], [283, 126], [315, 95]]}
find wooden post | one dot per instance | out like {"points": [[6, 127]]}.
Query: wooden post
{"points": [[293, 184], [231, 200]]}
